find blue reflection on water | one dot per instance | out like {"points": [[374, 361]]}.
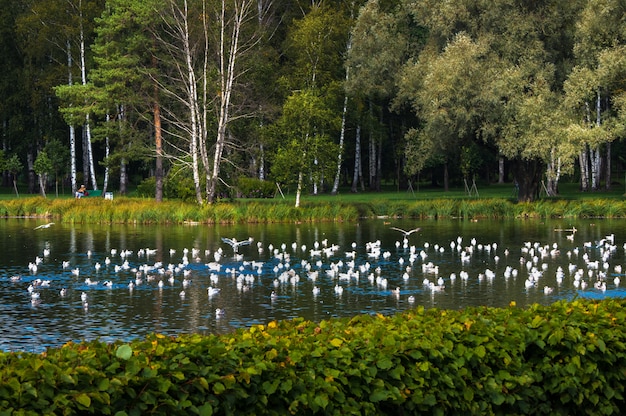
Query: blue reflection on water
{"points": [[248, 297]]}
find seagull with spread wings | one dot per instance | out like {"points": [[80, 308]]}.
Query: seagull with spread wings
{"points": [[235, 244], [48, 225], [406, 233]]}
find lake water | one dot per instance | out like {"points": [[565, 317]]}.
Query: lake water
{"points": [[358, 268]]}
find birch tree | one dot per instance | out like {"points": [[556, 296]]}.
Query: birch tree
{"points": [[305, 151], [234, 42], [594, 85], [207, 77], [379, 47], [56, 30]]}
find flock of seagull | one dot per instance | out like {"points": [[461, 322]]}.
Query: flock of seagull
{"points": [[589, 267]]}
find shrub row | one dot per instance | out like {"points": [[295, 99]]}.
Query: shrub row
{"points": [[568, 358]]}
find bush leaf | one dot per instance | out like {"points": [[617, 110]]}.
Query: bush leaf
{"points": [[124, 352]]}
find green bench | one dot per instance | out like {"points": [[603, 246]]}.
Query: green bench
{"points": [[91, 192]]}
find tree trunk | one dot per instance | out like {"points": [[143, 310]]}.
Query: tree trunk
{"points": [[92, 167], [446, 179], [357, 160], [87, 132], [227, 77], [341, 141], [596, 163], [372, 152], [261, 162], [343, 130], [553, 174], [32, 180], [607, 184], [73, 167], [17, 194], [42, 184], [527, 174], [379, 166], [299, 189], [158, 141], [583, 163], [500, 169], [107, 152], [123, 177]]}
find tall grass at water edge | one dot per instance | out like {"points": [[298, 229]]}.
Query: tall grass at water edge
{"points": [[144, 211]]}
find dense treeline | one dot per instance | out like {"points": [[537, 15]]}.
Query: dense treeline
{"points": [[196, 95]]}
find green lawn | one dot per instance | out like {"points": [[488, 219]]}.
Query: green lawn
{"points": [[568, 191]]}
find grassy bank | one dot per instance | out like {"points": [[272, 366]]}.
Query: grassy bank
{"points": [[146, 211]]}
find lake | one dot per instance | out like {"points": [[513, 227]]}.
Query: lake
{"points": [[82, 282]]}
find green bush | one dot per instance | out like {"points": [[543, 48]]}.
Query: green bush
{"points": [[147, 188], [179, 187], [255, 188], [567, 358]]}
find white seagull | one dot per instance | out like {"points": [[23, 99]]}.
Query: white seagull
{"points": [[48, 225], [235, 244], [406, 232]]}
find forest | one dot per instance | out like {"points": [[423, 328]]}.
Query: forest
{"points": [[199, 99]]}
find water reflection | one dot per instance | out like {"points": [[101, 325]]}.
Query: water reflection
{"points": [[269, 283]]}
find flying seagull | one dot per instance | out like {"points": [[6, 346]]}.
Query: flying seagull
{"points": [[235, 244], [406, 232], [48, 225]]}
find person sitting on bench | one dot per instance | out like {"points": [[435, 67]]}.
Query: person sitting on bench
{"points": [[82, 191]]}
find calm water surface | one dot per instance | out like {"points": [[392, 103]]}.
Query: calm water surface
{"points": [[266, 282]]}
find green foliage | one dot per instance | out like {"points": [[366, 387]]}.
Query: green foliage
{"points": [[147, 188], [13, 165], [43, 164], [135, 210], [303, 132], [255, 188], [179, 186], [566, 358]]}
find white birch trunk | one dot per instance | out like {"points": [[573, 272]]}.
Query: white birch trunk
{"points": [[596, 160], [73, 173], [42, 183], [583, 163], [204, 133], [107, 152], [261, 162], [83, 74], [123, 176], [500, 169], [357, 159], [299, 188], [607, 185], [343, 129], [227, 79], [553, 174], [341, 143], [192, 103], [596, 156], [315, 163]]}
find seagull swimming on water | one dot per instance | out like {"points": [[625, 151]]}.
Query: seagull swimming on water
{"points": [[235, 244]]}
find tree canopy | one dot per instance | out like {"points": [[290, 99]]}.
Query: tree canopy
{"points": [[199, 93]]}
